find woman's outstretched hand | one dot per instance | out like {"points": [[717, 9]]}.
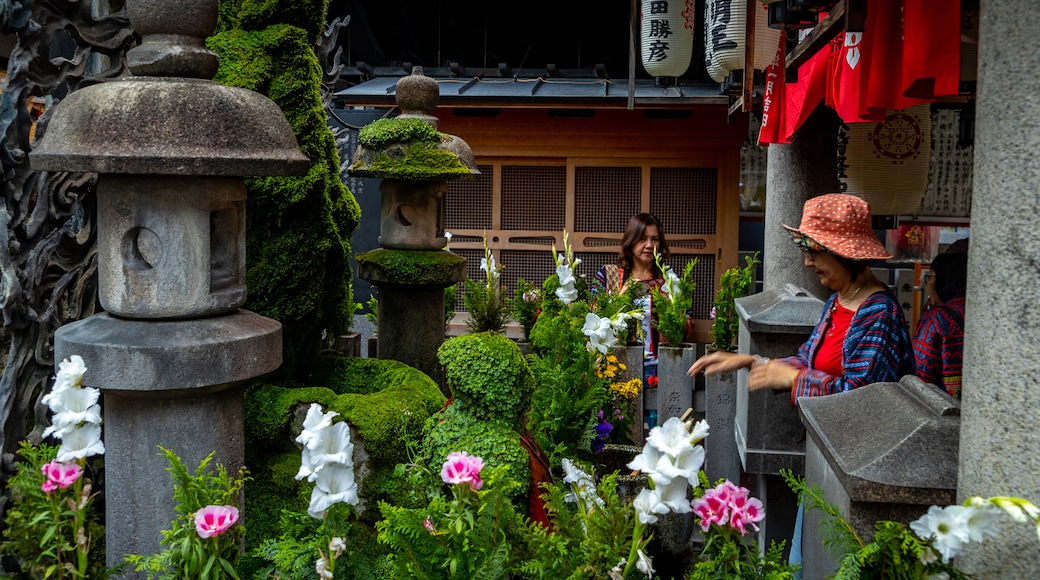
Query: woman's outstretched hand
{"points": [[771, 374], [720, 362]]}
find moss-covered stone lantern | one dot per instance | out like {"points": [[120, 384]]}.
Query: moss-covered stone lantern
{"points": [[412, 269]]}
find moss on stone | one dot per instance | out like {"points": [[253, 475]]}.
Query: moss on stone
{"points": [[411, 266], [386, 132], [406, 148], [298, 240]]}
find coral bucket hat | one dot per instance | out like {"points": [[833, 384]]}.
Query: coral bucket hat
{"points": [[840, 224]]}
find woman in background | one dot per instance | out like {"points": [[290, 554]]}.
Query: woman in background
{"points": [[636, 265], [939, 340]]}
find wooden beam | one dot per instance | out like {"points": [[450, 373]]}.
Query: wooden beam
{"points": [[821, 34], [747, 89]]}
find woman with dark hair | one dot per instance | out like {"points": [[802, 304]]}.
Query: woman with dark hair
{"points": [[939, 340], [861, 337], [636, 265]]}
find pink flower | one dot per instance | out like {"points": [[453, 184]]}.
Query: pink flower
{"points": [[461, 467], [60, 475], [428, 524], [745, 511], [710, 509], [214, 520]]}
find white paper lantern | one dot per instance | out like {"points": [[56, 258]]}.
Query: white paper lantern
{"points": [[724, 27], [666, 36], [886, 163]]}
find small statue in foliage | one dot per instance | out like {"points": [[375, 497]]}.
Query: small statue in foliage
{"points": [[491, 388]]}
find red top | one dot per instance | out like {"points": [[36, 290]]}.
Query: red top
{"points": [[829, 354]]}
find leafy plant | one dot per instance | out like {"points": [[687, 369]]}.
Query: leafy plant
{"points": [[525, 306], [49, 531], [193, 550], [734, 284], [895, 552], [672, 302], [568, 394], [725, 512], [468, 535], [486, 301]]}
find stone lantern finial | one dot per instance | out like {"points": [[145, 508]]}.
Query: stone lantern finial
{"points": [[173, 38]]}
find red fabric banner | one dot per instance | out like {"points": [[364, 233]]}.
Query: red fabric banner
{"points": [[908, 54]]}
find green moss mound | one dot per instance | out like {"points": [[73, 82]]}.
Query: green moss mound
{"points": [[386, 403], [495, 442]]}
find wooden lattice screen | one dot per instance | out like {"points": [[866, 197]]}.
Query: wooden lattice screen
{"points": [[525, 207]]}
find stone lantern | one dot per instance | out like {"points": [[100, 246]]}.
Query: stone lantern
{"points": [[412, 268], [173, 348]]}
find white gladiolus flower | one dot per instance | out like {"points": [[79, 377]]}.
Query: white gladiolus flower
{"points": [[81, 442], [685, 466], [322, 568], [565, 274], [648, 506], [700, 431], [567, 294], [314, 423], [337, 546], [71, 371], [334, 484], [72, 407], [982, 523], [600, 332], [674, 496], [645, 564], [582, 486], [331, 446], [488, 265]]}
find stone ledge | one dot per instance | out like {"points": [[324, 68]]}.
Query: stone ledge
{"points": [[188, 356]]}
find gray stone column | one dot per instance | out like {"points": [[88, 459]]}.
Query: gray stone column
{"points": [[1000, 442], [803, 169]]}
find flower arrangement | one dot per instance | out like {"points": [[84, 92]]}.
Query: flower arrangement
{"points": [[672, 301], [734, 284], [205, 539], [922, 549], [50, 525], [486, 301]]}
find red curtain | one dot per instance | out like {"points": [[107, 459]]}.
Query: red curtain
{"points": [[908, 54]]}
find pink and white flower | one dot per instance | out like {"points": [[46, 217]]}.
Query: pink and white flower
{"points": [[60, 475], [744, 511], [214, 520], [460, 467], [711, 509]]}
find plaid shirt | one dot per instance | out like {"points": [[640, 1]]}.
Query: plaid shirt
{"points": [[939, 347], [876, 349]]}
